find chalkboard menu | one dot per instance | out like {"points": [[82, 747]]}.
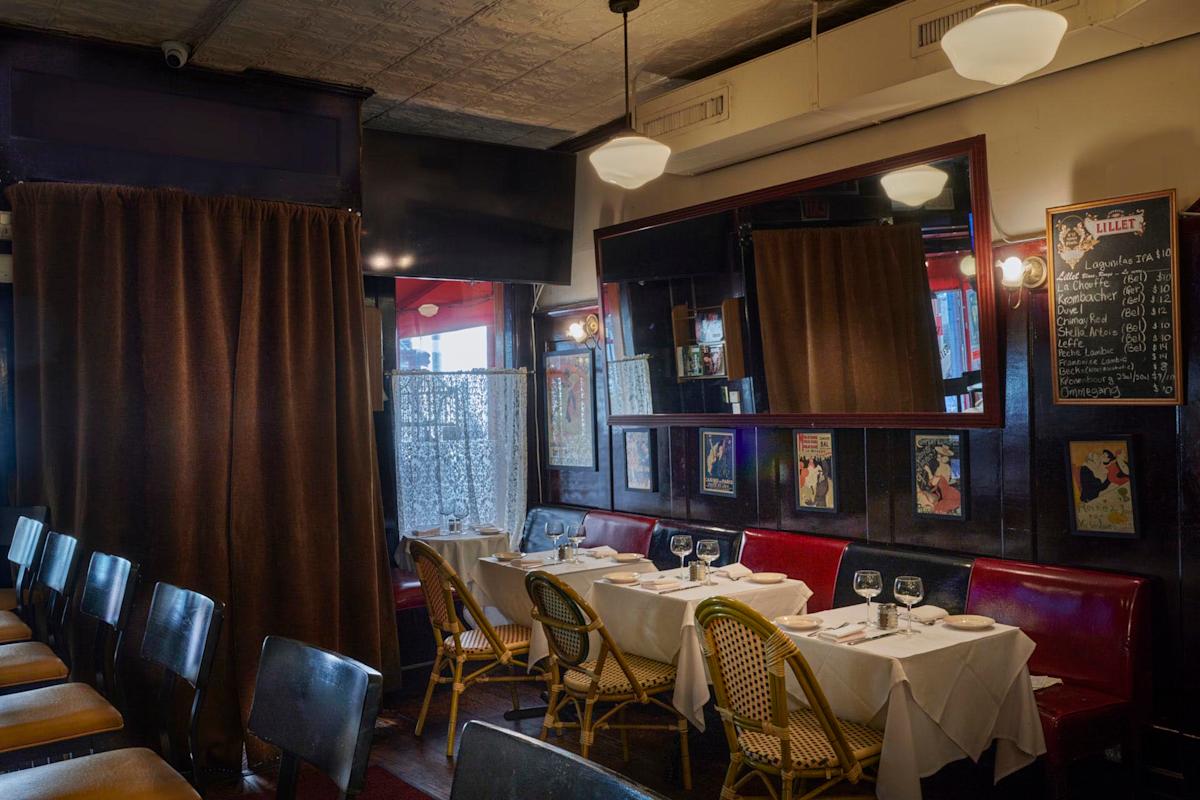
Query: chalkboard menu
{"points": [[1114, 293]]}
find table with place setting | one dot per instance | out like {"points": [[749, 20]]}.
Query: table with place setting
{"points": [[461, 550]]}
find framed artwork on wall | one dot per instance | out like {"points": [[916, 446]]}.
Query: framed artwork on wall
{"points": [[641, 459], [939, 474], [570, 410], [1103, 490], [816, 470], [718, 462]]}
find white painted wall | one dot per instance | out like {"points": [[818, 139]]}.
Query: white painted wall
{"points": [[1124, 125]]}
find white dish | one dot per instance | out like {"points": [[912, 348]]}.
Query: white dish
{"points": [[508, 555], [622, 577], [625, 558], [969, 622], [798, 622], [767, 577]]}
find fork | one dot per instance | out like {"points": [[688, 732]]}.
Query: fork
{"points": [[822, 630]]}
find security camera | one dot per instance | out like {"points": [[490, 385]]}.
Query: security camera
{"points": [[175, 54]]}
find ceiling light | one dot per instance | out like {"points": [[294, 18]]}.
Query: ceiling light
{"points": [[405, 261], [914, 186], [379, 261], [1004, 43], [427, 309], [629, 159]]}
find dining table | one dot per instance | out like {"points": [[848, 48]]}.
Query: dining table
{"points": [[939, 695], [462, 551], [662, 625]]}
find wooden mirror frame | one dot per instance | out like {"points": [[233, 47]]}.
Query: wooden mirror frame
{"points": [[993, 390]]}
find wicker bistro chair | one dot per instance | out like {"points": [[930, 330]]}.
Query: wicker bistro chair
{"points": [[492, 646], [800, 753], [612, 677]]}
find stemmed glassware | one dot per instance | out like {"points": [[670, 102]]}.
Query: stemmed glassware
{"points": [[576, 534], [554, 532], [908, 590], [681, 545], [708, 551], [868, 583]]}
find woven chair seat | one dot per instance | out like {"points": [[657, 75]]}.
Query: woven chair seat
{"points": [[650, 673], [514, 637], [810, 746]]}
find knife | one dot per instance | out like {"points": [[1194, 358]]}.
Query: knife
{"points": [[864, 640], [676, 589]]}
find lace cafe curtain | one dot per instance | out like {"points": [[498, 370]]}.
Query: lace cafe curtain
{"points": [[460, 436], [629, 386]]}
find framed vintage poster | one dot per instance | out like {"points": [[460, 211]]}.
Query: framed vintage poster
{"points": [[1103, 491], [718, 462], [1114, 301], [816, 470], [641, 459], [570, 410], [939, 474]]}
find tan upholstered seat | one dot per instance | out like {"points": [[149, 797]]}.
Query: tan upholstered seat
{"points": [[650, 673], [54, 714], [810, 746], [133, 774], [29, 662], [474, 641], [8, 599], [12, 629]]}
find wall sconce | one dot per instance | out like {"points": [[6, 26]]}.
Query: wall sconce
{"points": [[1022, 273], [585, 332]]}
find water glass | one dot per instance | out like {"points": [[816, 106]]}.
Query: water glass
{"points": [[868, 583], [708, 551], [681, 546], [908, 590], [554, 532], [576, 534]]}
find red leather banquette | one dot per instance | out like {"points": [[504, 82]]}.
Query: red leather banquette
{"points": [[812, 559], [625, 533]]}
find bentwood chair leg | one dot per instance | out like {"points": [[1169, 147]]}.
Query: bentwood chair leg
{"points": [[684, 756], [585, 727], [455, 690], [433, 676], [551, 713], [516, 701]]}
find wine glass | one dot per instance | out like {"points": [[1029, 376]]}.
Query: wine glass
{"points": [[445, 512], [576, 534], [868, 583], [708, 551], [681, 546], [554, 532], [908, 590], [460, 512]]}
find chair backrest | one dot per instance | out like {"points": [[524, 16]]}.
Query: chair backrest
{"points": [[729, 539], [181, 637], [317, 706], [503, 765], [24, 554], [625, 533], [533, 535], [1091, 628], [747, 661], [812, 559], [945, 575], [56, 577], [442, 586], [10, 517], [107, 597]]}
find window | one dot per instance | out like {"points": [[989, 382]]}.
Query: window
{"points": [[452, 351]]}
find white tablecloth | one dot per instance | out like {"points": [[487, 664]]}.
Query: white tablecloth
{"points": [[502, 586], [663, 626], [461, 550], [940, 695]]}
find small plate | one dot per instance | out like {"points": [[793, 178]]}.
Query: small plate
{"points": [[622, 577], [627, 557], [768, 577], [487, 529], [969, 622], [508, 555], [798, 622]]}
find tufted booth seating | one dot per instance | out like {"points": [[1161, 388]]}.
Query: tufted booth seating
{"points": [[660, 542], [625, 533], [946, 576], [1092, 629], [812, 559], [533, 536], [406, 590]]}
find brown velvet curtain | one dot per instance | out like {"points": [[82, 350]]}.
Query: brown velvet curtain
{"points": [[191, 392], [847, 320]]}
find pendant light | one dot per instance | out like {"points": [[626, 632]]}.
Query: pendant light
{"points": [[914, 186], [629, 159], [1004, 43]]}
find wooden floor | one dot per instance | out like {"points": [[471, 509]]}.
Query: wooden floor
{"points": [[421, 761]]}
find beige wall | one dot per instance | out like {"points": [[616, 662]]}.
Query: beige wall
{"points": [[1120, 126]]}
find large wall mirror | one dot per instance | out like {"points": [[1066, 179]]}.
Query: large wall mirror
{"points": [[860, 298]]}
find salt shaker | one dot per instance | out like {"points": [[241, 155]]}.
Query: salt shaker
{"points": [[886, 616], [696, 571]]}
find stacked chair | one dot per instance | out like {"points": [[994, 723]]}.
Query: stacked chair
{"points": [[10, 520], [24, 554], [613, 678]]}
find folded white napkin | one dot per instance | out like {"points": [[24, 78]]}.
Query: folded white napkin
{"points": [[603, 551], [1043, 681], [846, 634], [734, 571], [926, 615], [427, 532], [527, 563], [658, 584]]}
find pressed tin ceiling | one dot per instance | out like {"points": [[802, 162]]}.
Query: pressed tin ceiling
{"points": [[525, 72]]}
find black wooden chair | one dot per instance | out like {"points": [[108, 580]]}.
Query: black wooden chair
{"points": [[47, 614], [10, 519], [504, 765], [318, 707], [181, 636], [104, 603], [24, 554]]}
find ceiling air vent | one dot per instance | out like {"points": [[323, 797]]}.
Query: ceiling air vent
{"points": [[701, 110], [927, 31]]}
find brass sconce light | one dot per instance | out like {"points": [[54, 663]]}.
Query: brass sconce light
{"points": [[585, 332], [1017, 274]]}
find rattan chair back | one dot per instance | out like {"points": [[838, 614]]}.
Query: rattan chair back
{"points": [[441, 586]]}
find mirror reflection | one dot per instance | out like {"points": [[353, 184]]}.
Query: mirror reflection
{"points": [[852, 297]]}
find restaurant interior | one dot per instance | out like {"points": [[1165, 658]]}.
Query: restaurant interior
{"points": [[453, 399]]}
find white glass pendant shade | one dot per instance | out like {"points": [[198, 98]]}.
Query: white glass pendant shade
{"points": [[630, 160], [966, 266], [914, 186], [1004, 43], [1012, 271]]}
